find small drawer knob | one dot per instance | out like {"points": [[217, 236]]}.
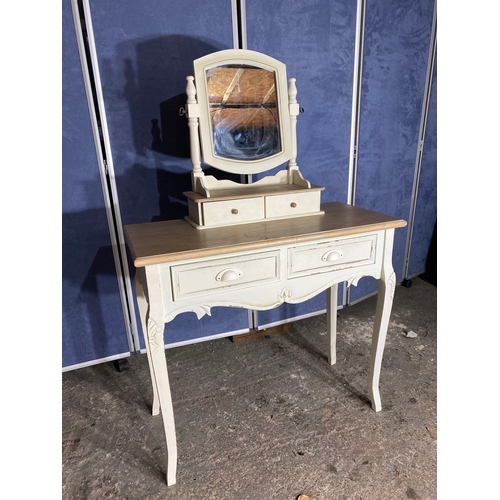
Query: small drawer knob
{"points": [[234, 211], [293, 204]]}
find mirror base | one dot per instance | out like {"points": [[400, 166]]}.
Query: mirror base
{"points": [[252, 203]]}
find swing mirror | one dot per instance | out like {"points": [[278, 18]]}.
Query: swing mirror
{"points": [[244, 117]]}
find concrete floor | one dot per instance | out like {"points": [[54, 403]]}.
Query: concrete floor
{"points": [[266, 418]]}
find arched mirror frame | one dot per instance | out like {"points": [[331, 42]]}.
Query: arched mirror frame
{"points": [[252, 59]]}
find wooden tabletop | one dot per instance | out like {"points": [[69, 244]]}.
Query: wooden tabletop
{"points": [[168, 241]]}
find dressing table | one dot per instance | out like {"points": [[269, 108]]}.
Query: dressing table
{"points": [[252, 245]]}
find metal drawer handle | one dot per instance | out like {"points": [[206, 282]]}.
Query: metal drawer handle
{"points": [[234, 211], [228, 275], [332, 255], [293, 204]]}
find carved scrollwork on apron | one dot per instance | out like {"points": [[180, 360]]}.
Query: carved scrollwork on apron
{"points": [[284, 295]]}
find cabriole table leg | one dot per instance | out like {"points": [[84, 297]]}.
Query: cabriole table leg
{"points": [[386, 287], [142, 304], [155, 329], [331, 322]]}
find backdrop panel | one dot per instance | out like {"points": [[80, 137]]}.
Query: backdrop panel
{"points": [[426, 208], [145, 50], [396, 50], [92, 316], [315, 39]]}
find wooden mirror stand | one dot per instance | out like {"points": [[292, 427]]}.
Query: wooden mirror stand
{"points": [[242, 119]]}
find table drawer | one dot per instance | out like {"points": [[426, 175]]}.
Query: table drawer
{"points": [[205, 277], [233, 211], [292, 204], [331, 255]]}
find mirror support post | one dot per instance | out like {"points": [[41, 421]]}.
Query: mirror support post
{"points": [[294, 111], [193, 113]]}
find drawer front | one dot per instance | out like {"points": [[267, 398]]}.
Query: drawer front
{"points": [[205, 277], [292, 204], [332, 255], [233, 211]]}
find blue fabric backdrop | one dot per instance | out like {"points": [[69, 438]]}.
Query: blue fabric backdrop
{"points": [[426, 208], [145, 51], [92, 316], [315, 39], [396, 50]]}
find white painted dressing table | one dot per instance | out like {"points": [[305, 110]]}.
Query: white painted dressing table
{"points": [[257, 265], [252, 245]]}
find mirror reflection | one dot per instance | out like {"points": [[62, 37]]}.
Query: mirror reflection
{"points": [[243, 112]]}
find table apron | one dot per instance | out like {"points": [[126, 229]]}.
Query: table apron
{"points": [[265, 279]]}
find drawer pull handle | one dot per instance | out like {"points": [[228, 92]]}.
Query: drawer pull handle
{"points": [[234, 211], [293, 204], [228, 275], [332, 255]]}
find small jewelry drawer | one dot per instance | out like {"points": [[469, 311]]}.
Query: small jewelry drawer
{"points": [[331, 255], [292, 204], [205, 277], [233, 211]]}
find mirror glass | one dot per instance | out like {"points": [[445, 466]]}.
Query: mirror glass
{"points": [[243, 112]]}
